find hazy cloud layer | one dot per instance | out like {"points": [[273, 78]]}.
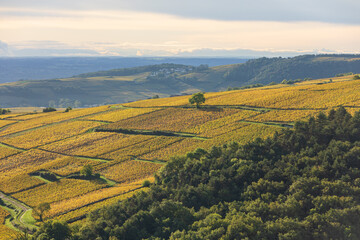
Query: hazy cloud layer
{"points": [[333, 11], [178, 28], [4, 49], [55, 48]]}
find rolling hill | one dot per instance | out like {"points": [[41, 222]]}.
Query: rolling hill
{"points": [[40, 68], [43, 154], [130, 84]]}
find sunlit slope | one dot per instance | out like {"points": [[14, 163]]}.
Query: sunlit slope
{"points": [[128, 143], [309, 95]]}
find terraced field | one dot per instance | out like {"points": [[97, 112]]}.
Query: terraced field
{"points": [[128, 143]]}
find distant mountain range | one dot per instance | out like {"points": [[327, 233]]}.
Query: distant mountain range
{"points": [[39, 68], [129, 84]]}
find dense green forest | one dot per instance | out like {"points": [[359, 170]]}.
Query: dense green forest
{"points": [[267, 70], [303, 183]]}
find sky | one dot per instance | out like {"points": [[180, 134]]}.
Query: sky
{"points": [[231, 28]]}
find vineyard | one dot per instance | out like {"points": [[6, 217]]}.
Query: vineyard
{"points": [[127, 144]]}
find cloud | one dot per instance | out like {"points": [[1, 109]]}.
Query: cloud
{"points": [[4, 49], [166, 28], [168, 32], [42, 52], [44, 48], [334, 11], [56, 48]]}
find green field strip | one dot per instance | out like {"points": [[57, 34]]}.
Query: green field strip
{"points": [[92, 120], [25, 189], [10, 119], [20, 115], [14, 201], [276, 124], [28, 218], [110, 109], [12, 147], [165, 146], [242, 107], [92, 158], [36, 128], [42, 179], [120, 107], [9, 219], [109, 164], [263, 109], [76, 135], [232, 130], [348, 106], [253, 116], [108, 181], [20, 213], [159, 109], [151, 133], [7, 125], [114, 150], [158, 161]]}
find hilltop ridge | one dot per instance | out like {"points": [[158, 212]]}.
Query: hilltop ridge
{"points": [[130, 84]]}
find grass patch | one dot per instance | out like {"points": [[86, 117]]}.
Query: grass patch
{"points": [[150, 132], [11, 147], [109, 182], [151, 161], [276, 124], [27, 218]]}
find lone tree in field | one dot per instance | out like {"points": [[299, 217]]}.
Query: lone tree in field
{"points": [[87, 170], [40, 210], [197, 98]]}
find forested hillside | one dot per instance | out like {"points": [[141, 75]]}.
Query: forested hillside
{"points": [[164, 80], [267, 70], [300, 184]]}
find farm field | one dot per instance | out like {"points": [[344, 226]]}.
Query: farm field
{"points": [[127, 144]]}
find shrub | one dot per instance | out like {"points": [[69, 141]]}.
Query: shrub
{"points": [[49, 109], [87, 170], [4, 111], [48, 176], [146, 183]]}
